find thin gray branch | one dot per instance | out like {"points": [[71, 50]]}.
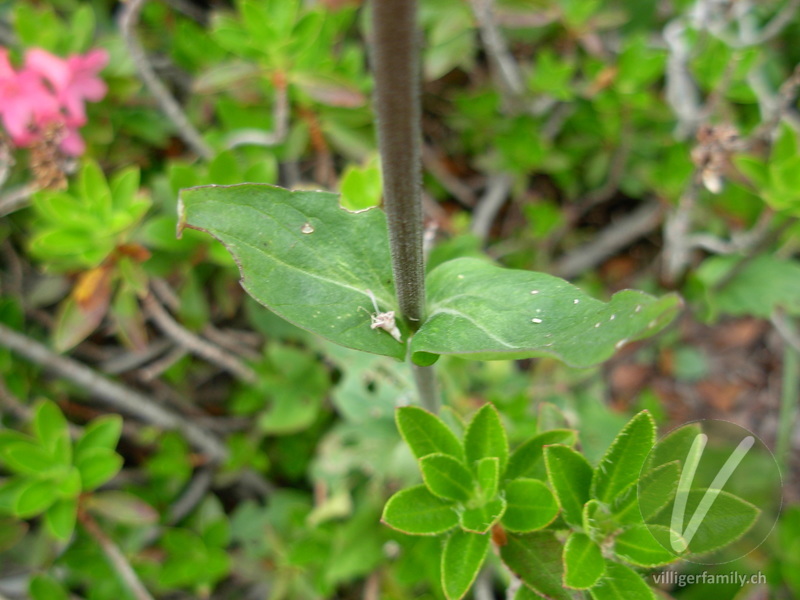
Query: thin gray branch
{"points": [[504, 65], [111, 392], [115, 556], [127, 361], [191, 496], [459, 190], [128, 20], [497, 191], [787, 330], [194, 343], [17, 198], [611, 240], [259, 137]]}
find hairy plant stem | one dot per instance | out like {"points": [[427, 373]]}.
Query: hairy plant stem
{"points": [[396, 69]]}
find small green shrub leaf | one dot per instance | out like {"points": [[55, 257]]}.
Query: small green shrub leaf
{"points": [[486, 437], [418, 512], [570, 474], [35, 497], [44, 587], [488, 470], [531, 505], [51, 430], [621, 583], [728, 518], [462, 558], [60, 518], [645, 498], [122, 507], [583, 562], [304, 257], [528, 459], [425, 433], [103, 432], [446, 477], [622, 463], [27, 458], [481, 518], [638, 546], [536, 559], [97, 466], [481, 311]]}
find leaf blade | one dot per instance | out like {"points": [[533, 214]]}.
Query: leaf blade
{"points": [[323, 258], [462, 558], [471, 300]]}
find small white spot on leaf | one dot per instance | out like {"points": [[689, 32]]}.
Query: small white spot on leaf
{"points": [[575, 301], [536, 320], [534, 291], [307, 228], [461, 277], [638, 308]]}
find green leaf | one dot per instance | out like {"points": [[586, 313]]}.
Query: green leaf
{"points": [[418, 512], [756, 288], [97, 466], [638, 546], [60, 518], [728, 519], [597, 521], [528, 459], [103, 432], [27, 458], [304, 257], [446, 477], [44, 587], [570, 474], [622, 462], [531, 505], [94, 189], [481, 311], [536, 559], [34, 498], [583, 562], [486, 437], [488, 471], [480, 519], [361, 186], [10, 489], [51, 430], [425, 433], [462, 558], [645, 498], [122, 507], [621, 583]]}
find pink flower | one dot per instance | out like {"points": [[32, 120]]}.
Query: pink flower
{"points": [[24, 99], [50, 90], [74, 80]]}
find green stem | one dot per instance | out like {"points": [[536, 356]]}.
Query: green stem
{"points": [[395, 64], [427, 387], [789, 393]]}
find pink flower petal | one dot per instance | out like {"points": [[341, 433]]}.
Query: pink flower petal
{"points": [[51, 67]]}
